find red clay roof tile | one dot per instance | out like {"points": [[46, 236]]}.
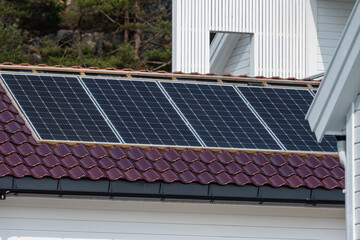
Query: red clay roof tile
{"points": [[295, 160], [51, 161], [330, 162], [206, 178], [143, 165], [26, 149], [153, 154], [225, 157], [98, 151], [61, 150], [13, 160], [260, 159], [161, 165], [312, 161], [243, 158], [39, 171], [216, 168], [330, 183], [77, 173], [32, 160], [180, 166], [117, 153], [259, 180], [20, 171], [304, 171], [69, 162], [223, 178], [190, 156], [277, 180], [338, 173], [88, 162], [114, 174], [95, 173], [106, 163], [135, 153], [151, 175], [187, 177], [125, 164], [80, 151], [171, 155], [198, 167], [312, 182], [241, 179], [233, 168], [58, 172]]}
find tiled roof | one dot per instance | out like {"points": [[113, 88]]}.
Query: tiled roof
{"points": [[21, 155]]}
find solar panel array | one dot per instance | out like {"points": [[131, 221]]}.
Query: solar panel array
{"points": [[59, 108], [220, 116], [140, 112], [165, 113], [284, 112]]}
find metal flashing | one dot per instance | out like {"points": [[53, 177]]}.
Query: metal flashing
{"points": [[123, 188]]}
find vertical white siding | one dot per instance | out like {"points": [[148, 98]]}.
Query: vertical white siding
{"points": [[332, 16], [354, 176], [278, 27], [240, 58], [57, 219]]}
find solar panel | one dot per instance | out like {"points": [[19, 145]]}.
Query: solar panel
{"points": [[220, 116], [59, 108], [140, 112], [284, 112]]}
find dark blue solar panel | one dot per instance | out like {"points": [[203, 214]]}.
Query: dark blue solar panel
{"points": [[219, 116], [284, 112], [59, 108], [140, 112]]}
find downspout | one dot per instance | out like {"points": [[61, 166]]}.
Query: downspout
{"points": [[341, 147]]}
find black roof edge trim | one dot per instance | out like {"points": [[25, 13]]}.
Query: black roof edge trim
{"points": [[176, 190]]}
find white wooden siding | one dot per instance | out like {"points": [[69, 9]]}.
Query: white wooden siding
{"points": [[240, 58], [278, 27], [354, 157], [332, 16], [80, 219]]}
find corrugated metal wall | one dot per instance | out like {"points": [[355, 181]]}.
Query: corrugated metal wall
{"points": [[278, 27]]}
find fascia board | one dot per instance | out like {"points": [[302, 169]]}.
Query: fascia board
{"points": [[323, 111]]}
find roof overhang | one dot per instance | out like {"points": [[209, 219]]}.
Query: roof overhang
{"points": [[341, 83]]}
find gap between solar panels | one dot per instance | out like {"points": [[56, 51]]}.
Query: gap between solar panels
{"points": [[109, 110]]}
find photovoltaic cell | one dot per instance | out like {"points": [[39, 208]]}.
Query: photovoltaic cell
{"points": [[140, 112], [284, 112], [220, 116], [59, 108]]}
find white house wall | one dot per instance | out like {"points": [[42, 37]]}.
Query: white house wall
{"points": [[79, 219], [332, 16], [355, 175], [240, 58], [294, 38]]}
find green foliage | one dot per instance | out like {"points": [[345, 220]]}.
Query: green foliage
{"points": [[11, 48], [141, 33], [54, 54], [159, 54], [12, 11], [37, 16]]}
